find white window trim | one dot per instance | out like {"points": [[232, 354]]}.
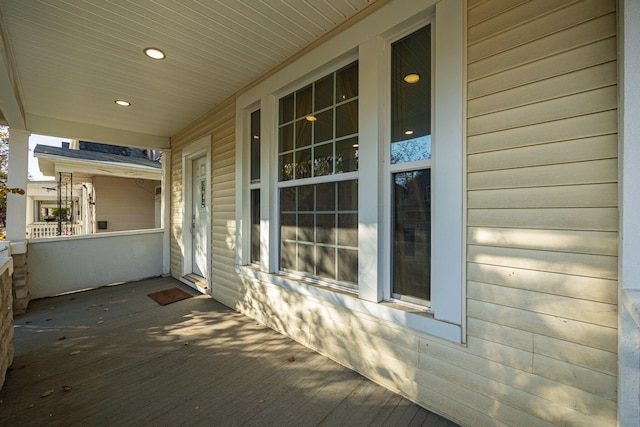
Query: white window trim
{"points": [[389, 169], [193, 150], [448, 197], [254, 186]]}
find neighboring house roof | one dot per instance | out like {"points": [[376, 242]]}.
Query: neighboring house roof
{"points": [[101, 153], [97, 159]]}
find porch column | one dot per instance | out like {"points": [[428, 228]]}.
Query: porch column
{"points": [[165, 211], [17, 216], [17, 177], [629, 205]]}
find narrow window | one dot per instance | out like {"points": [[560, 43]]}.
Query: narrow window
{"points": [[411, 166], [254, 134], [317, 174]]}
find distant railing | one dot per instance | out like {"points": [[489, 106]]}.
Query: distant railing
{"points": [[39, 230]]}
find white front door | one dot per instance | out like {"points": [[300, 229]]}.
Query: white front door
{"points": [[199, 216]]}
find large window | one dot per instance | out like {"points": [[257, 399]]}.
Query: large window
{"points": [[362, 180], [318, 127], [411, 165], [319, 236], [318, 148]]}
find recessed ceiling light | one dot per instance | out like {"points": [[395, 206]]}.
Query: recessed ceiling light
{"points": [[412, 78], [154, 53], [311, 118], [356, 145], [408, 132], [122, 103]]}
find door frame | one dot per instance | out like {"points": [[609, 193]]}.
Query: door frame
{"points": [[192, 151]]}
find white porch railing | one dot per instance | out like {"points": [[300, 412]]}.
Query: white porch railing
{"points": [[39, 230], [73, 263]]}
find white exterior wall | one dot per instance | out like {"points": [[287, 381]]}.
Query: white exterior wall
{"points": [[542, 233], [125, 203], [68, 264]]}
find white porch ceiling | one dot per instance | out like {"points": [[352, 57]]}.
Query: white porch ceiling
{"points": [[64, 62]]}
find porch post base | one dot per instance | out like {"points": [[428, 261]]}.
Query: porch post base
{"points": [[21, 294], [6, 313]]}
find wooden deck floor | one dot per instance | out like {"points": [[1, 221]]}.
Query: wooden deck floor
{"points": [[113, 356]]}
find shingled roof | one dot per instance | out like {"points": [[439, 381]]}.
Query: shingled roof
{"points": [[100, 153]]}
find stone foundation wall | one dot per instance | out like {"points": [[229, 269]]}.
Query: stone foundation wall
{"points": [[21, 294], [6, 325]]}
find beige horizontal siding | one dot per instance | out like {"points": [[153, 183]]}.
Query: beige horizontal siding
{"points": [[588, 195], [598, 76], [481, 11], [578, 287], [576, 354], [541, 233], [588, 219], [556, 43], [566, 174], [573, 331], [591, 54], [580, 104], [582, 242], [603, 123], [531, 393], [531, 22], [566, 307], [542, 206], [500, 334], [575, 150], [598, 266]]}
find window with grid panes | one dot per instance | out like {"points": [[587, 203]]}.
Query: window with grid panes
{"points": [[317, 179]]}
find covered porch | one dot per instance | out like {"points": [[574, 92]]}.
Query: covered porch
{"points": [[531, 312], [123, 359]]}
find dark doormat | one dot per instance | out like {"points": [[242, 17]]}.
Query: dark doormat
{"points": [[169, 295]]}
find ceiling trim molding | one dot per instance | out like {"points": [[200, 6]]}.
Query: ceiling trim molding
{"points": [[94, 133]]}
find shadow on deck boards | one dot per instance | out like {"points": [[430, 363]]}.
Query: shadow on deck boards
{"points": [[113, 356]]}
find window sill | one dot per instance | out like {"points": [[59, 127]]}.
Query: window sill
{"points": [[419, 320]]}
